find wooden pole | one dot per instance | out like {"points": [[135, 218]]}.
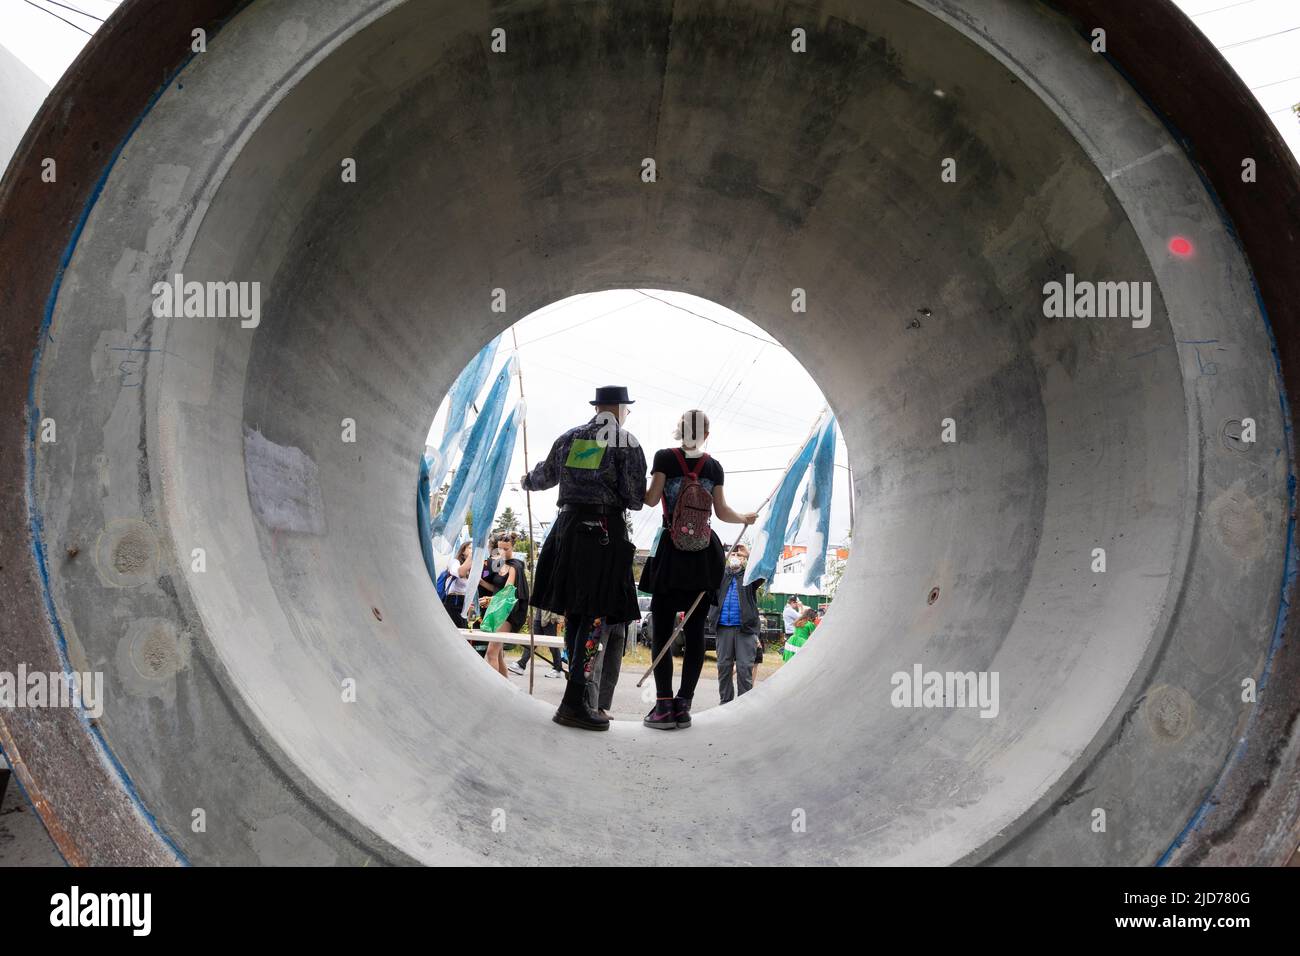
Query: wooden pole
{"points": [[528, 505], [528, 497], [852, 494]]}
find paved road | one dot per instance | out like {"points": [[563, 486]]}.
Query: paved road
{"points": [[630, 702]]}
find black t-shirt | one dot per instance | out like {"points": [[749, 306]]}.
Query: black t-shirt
{"points": [[495, 582], [710, 474]]}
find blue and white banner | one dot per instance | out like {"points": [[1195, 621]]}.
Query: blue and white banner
{"points": [[487, 491], [474, 461], [423, 519], [770, 539], [817, 502], [463, 392]]}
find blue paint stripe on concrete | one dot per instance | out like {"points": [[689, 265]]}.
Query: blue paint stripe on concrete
{"points": [[36, 525]]}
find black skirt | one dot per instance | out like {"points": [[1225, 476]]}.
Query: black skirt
{"points": [[576, 574], [675, 578]]}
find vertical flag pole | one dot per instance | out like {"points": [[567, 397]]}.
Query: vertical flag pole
{"points": [[528, 504], [853, 493]]}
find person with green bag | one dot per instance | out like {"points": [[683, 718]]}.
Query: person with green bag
{"points": [[803, 628], [502, 595], [499, 608]]}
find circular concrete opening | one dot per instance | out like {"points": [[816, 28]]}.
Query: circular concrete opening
{"points": [[674, 352], [1047, 495]]}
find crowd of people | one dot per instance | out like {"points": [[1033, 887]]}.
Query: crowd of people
{"points": [[584, 580]]}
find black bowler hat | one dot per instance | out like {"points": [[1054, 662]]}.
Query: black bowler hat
{"points": [[612, 395]]}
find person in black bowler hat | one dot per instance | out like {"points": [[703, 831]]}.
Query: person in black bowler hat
{"points": [[585, 569]]}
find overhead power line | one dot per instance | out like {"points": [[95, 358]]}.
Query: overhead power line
{"points": [[1275, 83], [57, 17], [569, 328], [709, 318], [1206, 13], [55, 3], [559, 306], [1266, 36]]}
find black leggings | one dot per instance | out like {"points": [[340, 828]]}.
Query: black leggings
{"points": [[662, 623], [455, 605]]}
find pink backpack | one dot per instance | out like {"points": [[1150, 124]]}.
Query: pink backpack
{"points": [[690, 528]]}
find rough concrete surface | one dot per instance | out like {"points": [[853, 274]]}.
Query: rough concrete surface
{"points": [[1120, 691], [23, 840]]}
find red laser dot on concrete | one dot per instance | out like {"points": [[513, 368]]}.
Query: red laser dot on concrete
{"points": [[1180, 246]]}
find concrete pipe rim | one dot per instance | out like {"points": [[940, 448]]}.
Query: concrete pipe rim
{"points": [[42, 612]]}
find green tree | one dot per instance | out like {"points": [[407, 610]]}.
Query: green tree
{"points": [[508, 521]]}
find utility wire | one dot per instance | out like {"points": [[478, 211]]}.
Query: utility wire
{"points": [[57, 17], [1266, 36], [743, 376], [732, 451], [750, 471], [1206, 13], [750, 421], [773, 415], [555, 307], [1275, 83], [74, 10], [708, 318], [569, 328], [726, 365]]}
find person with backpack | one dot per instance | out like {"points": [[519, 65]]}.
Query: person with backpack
{"points": [[453, 583], [585, 569], [686, 558]]}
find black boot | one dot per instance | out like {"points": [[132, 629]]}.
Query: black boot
{"points": [[662, 717], [580, 715], [682, 711]]}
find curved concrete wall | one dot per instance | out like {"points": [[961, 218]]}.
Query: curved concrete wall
{"points": [[775, 170]]}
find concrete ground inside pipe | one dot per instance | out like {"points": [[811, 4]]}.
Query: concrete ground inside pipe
{"points": [[775, 171]]}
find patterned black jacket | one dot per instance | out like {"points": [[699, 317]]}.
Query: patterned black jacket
{"points": [[597, 463]]}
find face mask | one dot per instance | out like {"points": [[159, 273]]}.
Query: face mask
{"points": [[735, 562]]}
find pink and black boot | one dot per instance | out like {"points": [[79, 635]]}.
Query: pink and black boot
{"points": [[663, 717], [682, 711]]}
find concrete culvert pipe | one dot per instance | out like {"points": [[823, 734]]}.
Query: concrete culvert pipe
{"points": [[198, 531]]}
